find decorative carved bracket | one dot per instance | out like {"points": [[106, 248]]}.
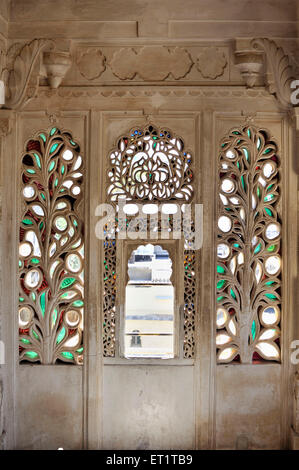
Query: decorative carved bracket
{"points": [[249, 61], [24, 69], [278, 70]]}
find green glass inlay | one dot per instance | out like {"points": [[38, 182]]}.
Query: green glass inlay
{"points": [[258, 192], [35, 261], [54, 317], [268, 198], [67, 282], [268, 211], [25, 341], [246, 153], [233, 294], [67, 355], [31, 354], [33, 296], [271, 296], [72, 142], [80, 350], [53, 148], [236, 245], [267, 151], [62, 169], [35, 335], [51, 166], [269, 283], [43, 196], [61, 335], [42, 302], [53, 130], [248, 133], [258, 248], [21, 299], [37, 160], [243, 183], [271, 248], [43, 137], [41, 225], [221, 284], [258, 145], [220, 298], [20, 264], [78, 303], [236, 132], [75, 223], [32, 172], [56, 182], [253, 330], [27, 222], [269, 187], [220, 269]]}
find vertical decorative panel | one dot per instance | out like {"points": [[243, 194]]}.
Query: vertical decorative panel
{"points": [[51, 250], [149, 165], [248, 247]]}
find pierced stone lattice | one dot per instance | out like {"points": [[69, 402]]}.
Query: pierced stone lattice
{"points": [[189, 303], [51, 250], [149, 165], [248, 248], [109, 297]]}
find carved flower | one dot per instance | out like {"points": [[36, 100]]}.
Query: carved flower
{"points": [[151, 63], [91, 63], [211, 63]]}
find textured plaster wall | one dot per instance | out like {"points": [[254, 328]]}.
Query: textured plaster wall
{"points": [[248, 403], [148, 407], [49, 407]]}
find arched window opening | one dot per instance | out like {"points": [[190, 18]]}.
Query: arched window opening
{"points": [[150, 174], [149, 304]]}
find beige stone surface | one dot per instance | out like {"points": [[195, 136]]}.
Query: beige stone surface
{"points": [[197, 67], [49, 404], [153, 407]]}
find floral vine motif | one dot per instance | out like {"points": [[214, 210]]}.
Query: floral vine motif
{"points": [[151, 164], [248, 251], [51, 250], [109, 296], [190, 266]]}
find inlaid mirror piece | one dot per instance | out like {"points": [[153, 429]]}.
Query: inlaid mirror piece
{"points": [[149, 304], [150, 171], [248, 301], [51, 250]]}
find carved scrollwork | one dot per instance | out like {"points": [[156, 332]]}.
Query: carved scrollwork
{"points": [[279, 71], [22, 80]]}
